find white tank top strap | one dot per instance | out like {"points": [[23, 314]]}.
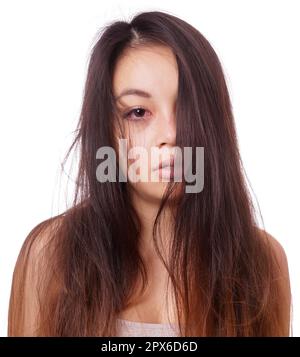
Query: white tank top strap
{"points": [[126, 328]]}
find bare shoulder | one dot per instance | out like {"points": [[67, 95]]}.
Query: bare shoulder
{"points": [[282, 278], [278, 251], [36, 248], [33, 272], [42, 233]]}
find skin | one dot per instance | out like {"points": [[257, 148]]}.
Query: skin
{"points": [[153, 69]]}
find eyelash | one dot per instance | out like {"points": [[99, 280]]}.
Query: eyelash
{"points": [[128, 114]]}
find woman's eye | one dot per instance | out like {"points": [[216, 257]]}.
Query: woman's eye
{"points": [[136, 114]]}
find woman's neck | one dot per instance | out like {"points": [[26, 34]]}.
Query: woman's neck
{"points": [[147, 212]]}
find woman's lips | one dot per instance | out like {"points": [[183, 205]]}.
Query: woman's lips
{"points": [[166, 172], [171, 172], [166, 169], [168, 163]]}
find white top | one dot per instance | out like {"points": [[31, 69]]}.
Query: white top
{"points": [[128, 328]]}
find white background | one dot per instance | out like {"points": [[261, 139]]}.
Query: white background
{"points": [[44, 54]]}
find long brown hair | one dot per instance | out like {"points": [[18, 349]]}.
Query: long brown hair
{"points": [[222, 268]]}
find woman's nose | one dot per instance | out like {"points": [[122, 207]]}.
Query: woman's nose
{"points": [[166, 130]]}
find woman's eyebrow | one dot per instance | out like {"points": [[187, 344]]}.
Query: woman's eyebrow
{"points": [[133, 91]]}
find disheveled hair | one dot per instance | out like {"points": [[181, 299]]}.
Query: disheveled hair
{"points": [[83, 265]]}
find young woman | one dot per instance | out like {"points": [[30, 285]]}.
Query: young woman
{"points": [[143, 257]]}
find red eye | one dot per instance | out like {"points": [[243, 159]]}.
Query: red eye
{"points": [[136, 114]]}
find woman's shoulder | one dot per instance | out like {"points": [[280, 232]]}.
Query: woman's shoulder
{"points": [[34, 275], [37, 243], [277, 249], [281, 277], [40, 245]]}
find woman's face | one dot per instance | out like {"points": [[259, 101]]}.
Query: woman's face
{"points": [[147, 111]]}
